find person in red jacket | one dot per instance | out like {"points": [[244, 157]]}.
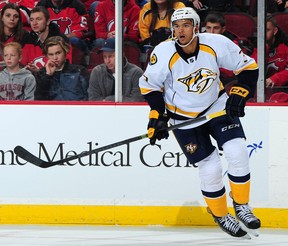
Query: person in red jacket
{"points": [[276, 56], [104, 23], [71, 18], [42, 28]]}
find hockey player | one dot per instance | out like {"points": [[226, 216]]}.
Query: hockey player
{"points": [[181, 82]]}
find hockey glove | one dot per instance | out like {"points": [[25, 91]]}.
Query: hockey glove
{"points": [[157, 126], [237, 100]]}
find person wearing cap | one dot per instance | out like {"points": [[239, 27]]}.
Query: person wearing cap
{"points": [[60, 80], [102, 77]]}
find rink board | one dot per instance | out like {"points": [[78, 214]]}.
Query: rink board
{"points": [[132, 184]]}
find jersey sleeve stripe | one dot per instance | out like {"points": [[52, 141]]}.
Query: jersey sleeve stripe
{"points": [[207, 49], [145, 91], [251, 66], [173, 60]]}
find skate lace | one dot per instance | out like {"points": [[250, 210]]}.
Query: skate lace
{"points": [[230, 223], [244, 213]]}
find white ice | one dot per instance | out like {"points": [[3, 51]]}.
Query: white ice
{"points": [[29, 235]]}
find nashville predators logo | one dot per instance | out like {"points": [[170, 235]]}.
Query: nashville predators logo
{"points": [[199, 81], [191, 148], [153, 59]]}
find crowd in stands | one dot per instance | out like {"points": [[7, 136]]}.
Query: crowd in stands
{"points": [[65, 49]]}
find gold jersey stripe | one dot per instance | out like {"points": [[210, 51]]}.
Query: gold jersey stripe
{"points": [[251, 66], [207, 49], [173, 60]]}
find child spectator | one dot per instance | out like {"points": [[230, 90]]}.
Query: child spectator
{"points": [[11, 26], [60, 80], [16, 83], [102, 78], [104, 24], [71, 18], [42, 29]]}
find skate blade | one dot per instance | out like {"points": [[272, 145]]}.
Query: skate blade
{"points": [[253, 232], [247, 237]]}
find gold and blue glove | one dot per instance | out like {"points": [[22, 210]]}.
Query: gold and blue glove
{"points": [[236, 102], [157, 126]]}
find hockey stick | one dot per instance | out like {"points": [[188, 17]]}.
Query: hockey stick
{"points": [[27, 156]]}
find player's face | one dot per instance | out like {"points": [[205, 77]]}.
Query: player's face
{"points": [[183, 30], [57, 55], [109, 60], [271, 31], [38, 22], [215, 28], [11, 57], [10, 18]]}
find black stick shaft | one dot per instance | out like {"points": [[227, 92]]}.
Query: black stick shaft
{"points": [[29, 157]]}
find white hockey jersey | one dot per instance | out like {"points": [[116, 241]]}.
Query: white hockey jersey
{"points": [[192, 85]]}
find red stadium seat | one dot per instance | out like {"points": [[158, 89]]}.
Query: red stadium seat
{"points": [[282, 20], [240, 24], [77, 55], [95, 59], [132, 52]]}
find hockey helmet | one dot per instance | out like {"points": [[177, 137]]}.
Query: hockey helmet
{"points": [[186, 13]]}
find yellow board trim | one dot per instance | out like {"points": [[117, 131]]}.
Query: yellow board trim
{"points": [[127, 215]]}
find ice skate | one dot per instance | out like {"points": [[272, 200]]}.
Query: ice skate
{"points": [[249, 222], [230, 225]]}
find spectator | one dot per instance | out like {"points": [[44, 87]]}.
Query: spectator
{"points": [[215, 23], [272, 6], [203, 7], [102, 80], [88, 4], [91, 6], [11, 25], [276, 55], [60, 80], [42, 29], [212, 5], [25, 6], [105, 21], [71, 18], [154, 20], [16, 83]]}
